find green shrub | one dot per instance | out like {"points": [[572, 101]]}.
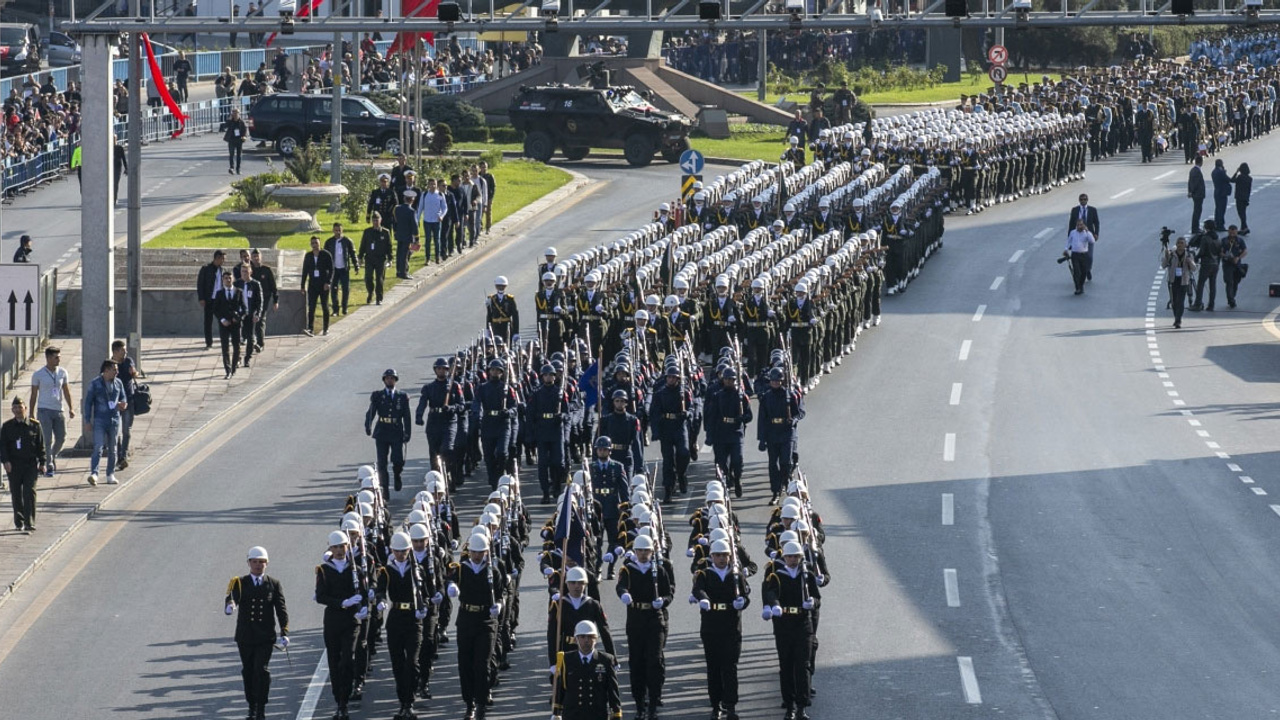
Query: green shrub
{"points": [[386, 101], [505, 134], [448, 109], [493, 157], [360, 180], [251, 193], [473, 134], [442, 139], [307, 163]]}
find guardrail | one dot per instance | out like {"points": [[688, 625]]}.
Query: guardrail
{"points": [[27, 348]]}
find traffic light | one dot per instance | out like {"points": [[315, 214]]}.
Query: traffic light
{"points": [[957, 8]]}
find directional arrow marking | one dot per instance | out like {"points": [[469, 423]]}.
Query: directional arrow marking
{"points": [[13, 310], [28, 302]]}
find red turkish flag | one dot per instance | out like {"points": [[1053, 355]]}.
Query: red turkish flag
{"points": [[405, 42]]}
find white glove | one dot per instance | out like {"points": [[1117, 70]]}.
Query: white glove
{"points": [[702, 541], [773, 554], [453, 545], [657, 604], [813, 321], [515, 339], [353, 600], [776, 610], [555, 597], [771, 312], [608, 557], [688, 553], [739, 603], [452, 590], [556, 309], [515, 573], [382, 606], [704, 604], [733, 319], [617, 552], [822, 579], [420, 614], [626, 598], [599, 308], [437, 599], [284, 642], [495, 610], [766, 614], [551, 671], [807, 604], [231, 607], [692, 600], [363, 614], [372, 595], [547, 571]]}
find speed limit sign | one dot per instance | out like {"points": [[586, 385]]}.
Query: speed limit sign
{"points": [[998, 54], [997, 73]]}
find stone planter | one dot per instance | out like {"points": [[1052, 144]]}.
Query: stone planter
{"points": [[309, 198], [264, 228]]}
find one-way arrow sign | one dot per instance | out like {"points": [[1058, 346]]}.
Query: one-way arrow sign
{"points": [[20, 285]]}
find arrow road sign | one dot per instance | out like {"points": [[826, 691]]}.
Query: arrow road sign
{"points": [[997, 73], [691, 162], [998, 54], [22, 281]]}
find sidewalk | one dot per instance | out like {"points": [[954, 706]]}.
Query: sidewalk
{"points": [[189, 392]]}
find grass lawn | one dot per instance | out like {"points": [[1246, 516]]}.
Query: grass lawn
{"points": [[938, 93], [519, 183]]}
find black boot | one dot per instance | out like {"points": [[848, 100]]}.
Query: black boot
{"points": [[262, 711], [399, 470]]}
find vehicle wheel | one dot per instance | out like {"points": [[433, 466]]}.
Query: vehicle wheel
{"points": [[287, 142], [392, 145], [538, 146], [672, 153], [639, 150], [575, 153]]}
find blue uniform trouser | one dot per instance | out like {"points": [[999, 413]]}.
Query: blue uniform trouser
{"points": [[729, 459], [394, 448], [550, 466], [675, 457], [496, 450], [779, 465]]}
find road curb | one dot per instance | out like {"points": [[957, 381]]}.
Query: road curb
{"points": [[507, 227]]}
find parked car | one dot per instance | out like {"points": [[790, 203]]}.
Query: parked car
{"points": [[19, 48], [291, 119], [61, 49]]}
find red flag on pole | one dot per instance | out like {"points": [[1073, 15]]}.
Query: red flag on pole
{"points": [[405, 42], [157, 78]]}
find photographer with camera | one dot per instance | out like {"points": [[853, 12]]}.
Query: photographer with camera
{"points": [[1182, 267], [1208, 249], [1079, 244], [1233, 267]]}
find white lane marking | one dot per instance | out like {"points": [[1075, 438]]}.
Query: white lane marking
{"points": [[1121, 194], [996, 283], [955, 392], [1159, 368], [1223, 455], [1173, 393], [1043, 232], [1233, 467], [969, 679], [948, 509], [1275, 509], [1202, 433], [1179, 402], [1155, 353], [952, 584], [1167, 384], [1212, 445], [1246, 479], [1186, 413], [1162, 374], [949, 447], [965, 347], [1258, 491], [314, 688], [1196, 423], [1015, 256], [978, 315], [1162, 176]]}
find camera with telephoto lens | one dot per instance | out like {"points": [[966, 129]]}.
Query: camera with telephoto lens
{"points": [[1165, 234]]}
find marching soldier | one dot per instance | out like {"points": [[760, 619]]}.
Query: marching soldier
{"points": [[609, 486], [722, 593], [668, 412], [548, 414], [402, 598], [550, 306], [646, 585], [593, 313], [795, 153], [721, 316], [343, 591], [550, 265], [390, 408], [757, 318], [588, 685], [780, 411], [478, 586], [727, 412], [623, 430], [443, 404], [495, 409], [501, 314], [261, 602], [802, 318], [430, 555], [790, 594], [567, 611]]}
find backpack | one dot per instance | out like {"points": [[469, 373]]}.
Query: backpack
{"points": [[141, 399]]}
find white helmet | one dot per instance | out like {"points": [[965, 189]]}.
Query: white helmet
{"points": [[419, 532], [643, 542], [642, 314], [700, 196], [415, 517], [337, 537], [576, 574], [802, 287], [719, 546], [792, 548], [791, 512], [364, 472], [433, 477], [586, 627], [257, 552], [479, 543], [400, 541], [671, 301], [548, 277], [551, 252], [365, 496], [500, 281], [722, 281], [664, 207]]}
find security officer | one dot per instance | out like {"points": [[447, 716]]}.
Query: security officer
{"points": [[550, 305], [569, 609], [443, 404], [722, 593], [609, 486], [501, 314], [623, 430], [588, 685], [548, 415], [646, 585], [402, 596], [495, 409], [780, 411], [725, 416], [23, 454], [668, 413], [790, 594], [478, 586], [261, 602], [382, 199], [343, 591], [390, 407]]}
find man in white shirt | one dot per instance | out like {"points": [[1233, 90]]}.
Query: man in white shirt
{"points": [[344, 263], [1079, 244], [49, 388], [431, 212]]}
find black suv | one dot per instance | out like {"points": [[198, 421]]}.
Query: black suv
{"points": [[576, 119], [288, 119]]}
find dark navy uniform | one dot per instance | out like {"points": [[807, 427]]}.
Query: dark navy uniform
{"points": [[725, 416], [564, 615], [609, 486], [588, 688], [548, 414], [443, 405], [388, 421], [262, 605], [789, 591], [780, 412], [668, 413], [479, 590], [495, 409], [502, 316], [551, 322], [403, 588], [335, 586], [726, 594], [647, 626], [759, 332], [623, 429]]}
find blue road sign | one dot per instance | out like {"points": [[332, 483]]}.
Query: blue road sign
{"points": [[691, 162]]}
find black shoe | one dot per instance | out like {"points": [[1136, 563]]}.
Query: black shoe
{"points": [[357, 691], [1079, 292], [488, 699], [208, 346], [1177, 325], [1209, 308], [609, 576], [309, 332], [398, 483], [124, 463], [471, 713], [1231, 304], [246, 363], [737, 488], [666, 495], [774, 500], [227, 376], [802, 715]]}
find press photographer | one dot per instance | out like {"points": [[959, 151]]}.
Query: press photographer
{"points": [[1208, 249], [1182, 267]]}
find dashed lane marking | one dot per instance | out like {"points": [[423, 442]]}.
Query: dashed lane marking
{"points": [[969, 679], [956, 388], [949, 447], [978, 315], [996, 283], [948, 509], [951, 582], [965, 347], [1017, 255], [1121, 194]]}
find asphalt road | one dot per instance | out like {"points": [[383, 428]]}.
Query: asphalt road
{"points": [[1108, 562]]}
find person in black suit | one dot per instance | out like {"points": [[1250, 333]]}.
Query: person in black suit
{"points": [[228, 307], [261, 602], [206, 286], [375, 251], [1195, 191], [1090, 215], [251, 292], [317, 275], [345, 262], [586, 683]]}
